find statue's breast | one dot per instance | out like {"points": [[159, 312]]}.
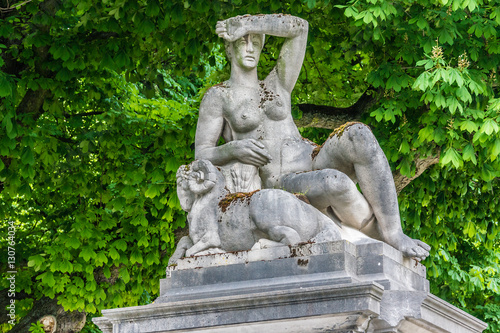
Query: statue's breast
{"points": [[242, 110], [273, 102]]}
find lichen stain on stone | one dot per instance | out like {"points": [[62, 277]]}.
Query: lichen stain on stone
{"points": [[221, 85], [302, 197], [302, 262], [339, 131], [266, 94], [231, 197], [315, 152]]}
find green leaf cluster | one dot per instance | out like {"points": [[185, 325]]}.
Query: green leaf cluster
{"points": [[100, 210]]}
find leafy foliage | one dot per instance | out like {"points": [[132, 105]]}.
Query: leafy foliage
{"points": [[99, 107], [37, 328], [103, 200]]}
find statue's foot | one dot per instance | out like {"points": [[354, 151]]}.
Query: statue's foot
{"points": [[412, 248]]}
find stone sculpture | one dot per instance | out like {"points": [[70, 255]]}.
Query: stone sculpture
{"points": [[220, 221], [356, 284], [264, 148]]}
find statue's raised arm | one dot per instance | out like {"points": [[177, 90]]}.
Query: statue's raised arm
{"points": [[294, 29]]}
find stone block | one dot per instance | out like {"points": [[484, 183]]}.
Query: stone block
{"points": [[328, 287]]}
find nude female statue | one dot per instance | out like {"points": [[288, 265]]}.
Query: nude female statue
{"points": [[254, 118]]}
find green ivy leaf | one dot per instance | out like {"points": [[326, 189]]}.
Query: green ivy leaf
{"points": [[48, 279], [28, 157], [405, 147], [422, 82], [114, 254], [495, 149], [124, 275], [136, 257], [36, 262], [120, 244], [87, 253], [101, 258], [469, 154], [153, 191], [451, 155], [143, 241], [311, 4], [469, 126], [489, 126], [7, 123], [73, 242], [6, 88]]}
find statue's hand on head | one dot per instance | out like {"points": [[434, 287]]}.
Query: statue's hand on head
{"points": [[231, 29], [250, 151]]}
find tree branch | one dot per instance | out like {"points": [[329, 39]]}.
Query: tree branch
{"points": [[332, 117], [10, 8], [422, 164], [83, 114]]}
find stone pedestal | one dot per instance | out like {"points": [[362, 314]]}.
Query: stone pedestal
{"points": [[328, 287]]}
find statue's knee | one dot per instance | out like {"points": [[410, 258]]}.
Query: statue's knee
{"points": [[359, 132], [363, 142], [336, 182]]}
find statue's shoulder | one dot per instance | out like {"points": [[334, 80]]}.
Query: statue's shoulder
{"points": [[272, 80], [217, 91], [214, 98]]}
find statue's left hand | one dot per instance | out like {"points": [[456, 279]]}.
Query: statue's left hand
{"points": [[231, 29]]}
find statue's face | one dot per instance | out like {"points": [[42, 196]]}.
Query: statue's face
{"points": [[246, 51]]}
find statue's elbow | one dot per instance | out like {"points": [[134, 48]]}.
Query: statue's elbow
{"points": [[203, 153], [301, 25]]}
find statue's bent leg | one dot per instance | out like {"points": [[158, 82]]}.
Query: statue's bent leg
{"points": [[356, 152], [209, 240], [331, 188], [284, 235]]}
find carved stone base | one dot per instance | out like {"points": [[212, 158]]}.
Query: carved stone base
{"points": [[329, 287]]}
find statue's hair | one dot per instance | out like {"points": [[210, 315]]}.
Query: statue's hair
{"points": [[229, 46]]}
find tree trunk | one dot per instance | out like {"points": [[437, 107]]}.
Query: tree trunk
{"points": [[66, 322]]}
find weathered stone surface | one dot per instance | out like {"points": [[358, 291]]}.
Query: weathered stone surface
{"points": [[255, 310], [327, 287], [335, 262], [220, 221]]}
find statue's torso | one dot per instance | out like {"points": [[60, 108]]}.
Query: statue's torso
{"points": [[263, 113]]}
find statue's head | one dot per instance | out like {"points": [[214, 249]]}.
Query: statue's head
{"points": [[245, 52]]}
